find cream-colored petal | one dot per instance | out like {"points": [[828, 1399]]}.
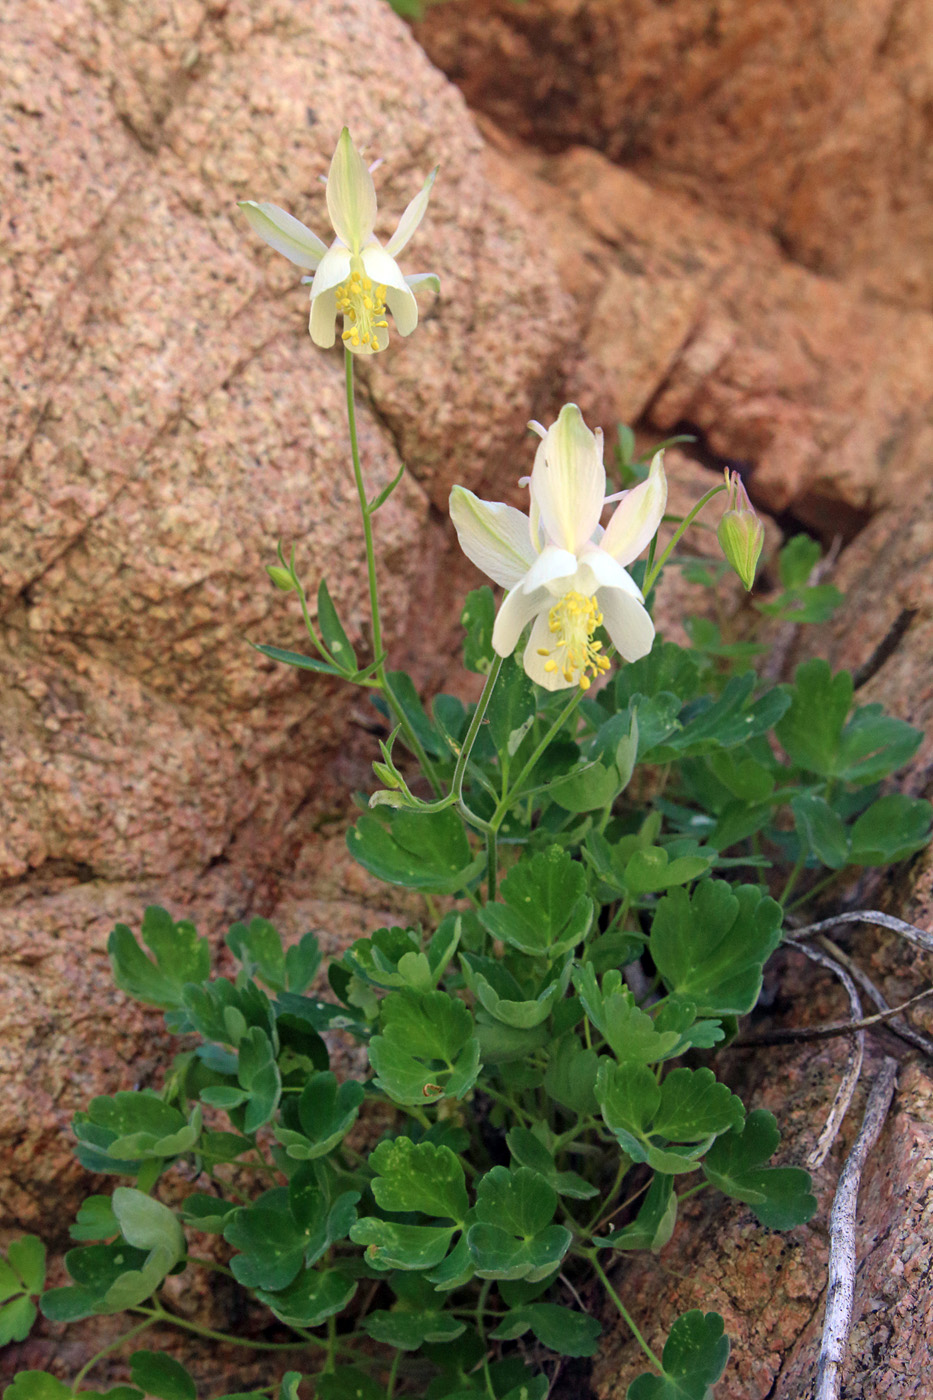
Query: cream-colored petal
{"points": [[383, 268], [569, 480], [323, 317], [629, 626], [404, 309], [599, 570], [351, 195], [412, 216], [284, 233], [534, 664], [493, 536], [333, 269], [517, 610], [551, 564], [636, 518]]}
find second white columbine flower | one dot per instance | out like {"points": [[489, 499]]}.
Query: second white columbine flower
{"points": [[355, 277], [565, 574]]}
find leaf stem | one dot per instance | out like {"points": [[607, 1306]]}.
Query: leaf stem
{"points": [[651, 575], [366, 512], [111, 1346], [623, 1311]]}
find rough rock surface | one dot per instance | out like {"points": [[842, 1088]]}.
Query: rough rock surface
{"points": [[810, 121], [688, 319]]}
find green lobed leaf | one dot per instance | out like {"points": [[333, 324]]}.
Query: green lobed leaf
{"points": [[259, 1075], [478, 617], [668, 1125], [25, 1257], [178, 956], [512, 708], [529, 1151], [37, 1385], [326, 1113], [694, 1358], [410, 1330], [711, 948], [811, 730], [162, 1376], [417, 1034], [419, 1177], [654, 1223], [425, 851], [16, 1319], [545, 909], [513, 1237], [393, 1246], [874, 744], [630, 1032], [571, 1076], [297, 659], [311, 1298], [735, 1164], [889, 830], [820, 829], [563, 1330]]}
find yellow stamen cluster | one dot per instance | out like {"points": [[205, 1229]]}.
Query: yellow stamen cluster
{"points": [[573, 621], [362, 306]]}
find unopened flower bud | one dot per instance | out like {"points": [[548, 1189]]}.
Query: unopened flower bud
{"points": [[741, 533], [281, 578]]}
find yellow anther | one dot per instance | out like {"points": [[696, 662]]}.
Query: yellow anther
{"points": [[572, 622], [361, 306]]}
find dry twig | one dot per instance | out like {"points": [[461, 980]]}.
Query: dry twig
{"points": [[853, 1069], [842, 1258]]}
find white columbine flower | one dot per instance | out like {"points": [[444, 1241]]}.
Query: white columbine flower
{"points": [[356, 275], [564, 573]]}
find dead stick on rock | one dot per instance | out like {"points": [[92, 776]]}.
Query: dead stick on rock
{"points": [[841, 1292], [853, 1069], [918, 936], [788, 1037], [898, 1025]]}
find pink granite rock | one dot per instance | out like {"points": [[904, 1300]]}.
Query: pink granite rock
{"points": [[811, 122]]}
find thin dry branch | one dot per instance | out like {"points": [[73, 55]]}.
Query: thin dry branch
{"points": [[835, 1028], [842, 1256], [899, 1027], [853, 1069], [918, 936]]}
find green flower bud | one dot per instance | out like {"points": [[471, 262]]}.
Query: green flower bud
{"points": [[741, 534], [281, 578]]}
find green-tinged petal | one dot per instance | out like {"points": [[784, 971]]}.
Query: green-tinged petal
{"points": [[351, 195], [493, 536], [404, 309], [412, 216], [599, 570], [284, 233], [630, 628], [518, 609], [333, 269], [417, 281], [381, 267], [637, 516], [534, 663], [552, 563], [323, 318], [569, 480]]}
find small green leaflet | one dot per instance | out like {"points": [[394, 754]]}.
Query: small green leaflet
{"points": [[424, 851], [779, 1196], [22, 1274], [419, 1177], [326, 1112], [567, 1332], [178, 956], [670, 1125], [545, 909], [817, 738], [162, 1376], [711, 948], [417, 1032], [513, 1237], [654, 1224], [694, 1358], [258, 947]]}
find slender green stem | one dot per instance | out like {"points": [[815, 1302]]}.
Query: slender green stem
{"points": [[792, 879], [623, 1310], [509, 797], [111, 1346], [330, 1363], [411, 738], [492, 856], [481, 1330], [390, 1384], [815, 889], [159, 1314], [652, 573]]}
